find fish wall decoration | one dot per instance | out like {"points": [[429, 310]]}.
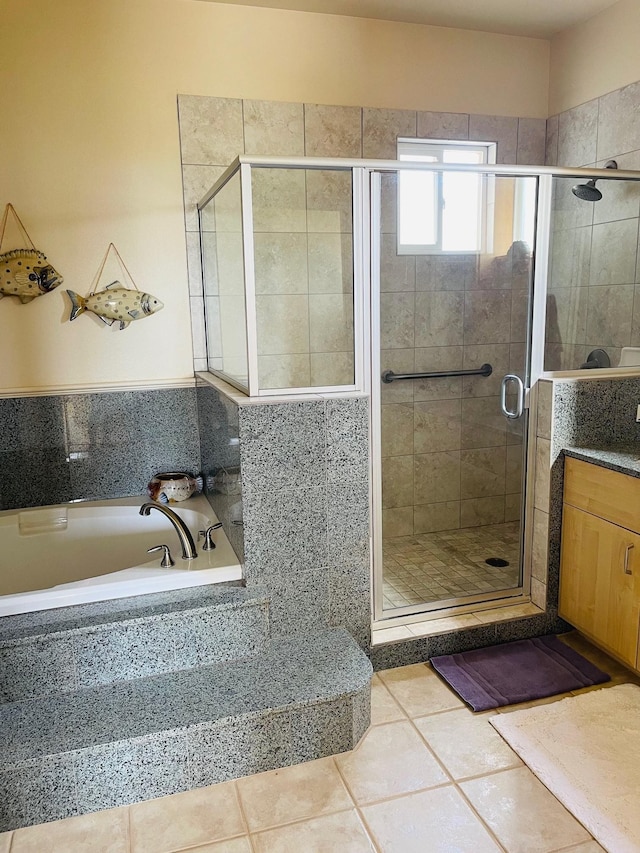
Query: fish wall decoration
{"points": [[24, 273], [115, 302]]}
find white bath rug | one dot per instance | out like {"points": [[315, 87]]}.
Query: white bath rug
{"points": [[586, 750]]}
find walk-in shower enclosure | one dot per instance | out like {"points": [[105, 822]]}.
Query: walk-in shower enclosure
{"points": [[443, 291]]}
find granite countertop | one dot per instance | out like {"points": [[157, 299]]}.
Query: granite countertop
{"points": [[624, 458]]}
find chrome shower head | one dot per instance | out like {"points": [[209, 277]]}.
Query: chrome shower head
{"points": [[589, 191]]}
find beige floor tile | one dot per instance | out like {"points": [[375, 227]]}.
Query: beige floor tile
{"points": [[231, 845], [100, 832], [337, 833], [587, 847], [438, 821], [182, 820], [293, 793], [384, 708], [390, 760], [466, 743], [419, 690], [5, 842], [522, 813]]}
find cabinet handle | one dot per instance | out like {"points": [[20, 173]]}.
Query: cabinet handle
{"points": [[627, 552]]}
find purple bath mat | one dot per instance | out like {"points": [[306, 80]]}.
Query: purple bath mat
{"points": [[517, 672]]}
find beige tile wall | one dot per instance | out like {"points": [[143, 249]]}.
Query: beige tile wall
{"points": [[304, 275], [303, 221], [594, 285]]}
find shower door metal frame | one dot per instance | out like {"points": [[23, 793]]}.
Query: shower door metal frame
{"points": [[533, 369]]}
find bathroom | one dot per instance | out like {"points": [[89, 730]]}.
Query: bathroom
{"points": [[110, 167]]}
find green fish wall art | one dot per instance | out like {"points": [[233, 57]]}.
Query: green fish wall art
{"points": [[25, 273], [115, 302]]}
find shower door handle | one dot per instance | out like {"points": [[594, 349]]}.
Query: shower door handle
{"points": [[517, 412]]}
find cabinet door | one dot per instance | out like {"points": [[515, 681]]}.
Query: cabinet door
{"points": [[600, 581]]}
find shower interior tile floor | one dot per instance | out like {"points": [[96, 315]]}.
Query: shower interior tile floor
{"points": [[449, 564], [429, 776]]}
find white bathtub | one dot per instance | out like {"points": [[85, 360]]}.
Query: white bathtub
{"points": [[96, 550]]}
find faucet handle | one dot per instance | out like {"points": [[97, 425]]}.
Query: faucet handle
{"points": [[167, 561], [209, 544]]}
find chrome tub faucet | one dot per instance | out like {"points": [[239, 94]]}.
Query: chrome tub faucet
{"points": [[186, 539]]}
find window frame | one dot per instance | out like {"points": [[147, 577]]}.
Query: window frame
{"points": [[406, 146]]}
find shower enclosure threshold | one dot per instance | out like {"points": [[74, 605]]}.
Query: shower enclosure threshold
{"points": [[448, 620]]}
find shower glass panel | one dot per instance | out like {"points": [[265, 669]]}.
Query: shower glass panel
{"points": [[303, 258], [453, 446], [593, 315], [283, 272], [224, 282]]}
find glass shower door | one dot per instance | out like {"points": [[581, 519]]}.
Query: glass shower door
{"points": [[451, 363]]}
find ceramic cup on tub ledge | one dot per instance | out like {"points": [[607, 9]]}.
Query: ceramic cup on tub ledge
{"points": [[169, 487]]}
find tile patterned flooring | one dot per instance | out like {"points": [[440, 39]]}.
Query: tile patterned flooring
{"points": [[449, 564], [428, 777]]}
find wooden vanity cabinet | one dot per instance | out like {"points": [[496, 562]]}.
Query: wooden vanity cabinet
{"points": [[600, 557]]}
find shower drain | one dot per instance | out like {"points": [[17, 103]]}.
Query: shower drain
{"points": [[498, 562]]}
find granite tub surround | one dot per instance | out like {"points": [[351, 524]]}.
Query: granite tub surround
{"points": [[218, 428], [112, 745], [54, 449], [84, 646], [305, 493]]}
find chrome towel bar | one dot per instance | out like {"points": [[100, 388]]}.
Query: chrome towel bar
{"points": [[483, 370]]}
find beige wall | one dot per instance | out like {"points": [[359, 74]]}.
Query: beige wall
{"points": [[595, 57], [90, 150]]}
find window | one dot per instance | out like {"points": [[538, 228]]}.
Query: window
{"points": [[443, 212]]}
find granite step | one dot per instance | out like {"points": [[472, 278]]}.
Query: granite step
{"points": [[301, 698], [56, 652]]}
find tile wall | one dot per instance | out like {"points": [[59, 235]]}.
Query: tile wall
{"points": [[303, 221], [55, 449], [594, 285]]}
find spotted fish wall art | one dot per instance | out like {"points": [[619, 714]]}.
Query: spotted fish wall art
{"points": [[115, 302], [25, 273]]}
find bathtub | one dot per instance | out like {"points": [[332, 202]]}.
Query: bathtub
{"points": [[96, 550]]}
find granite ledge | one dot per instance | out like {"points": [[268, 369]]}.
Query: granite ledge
{"points": [[291, 673], [81, 619], [624, 458]]}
